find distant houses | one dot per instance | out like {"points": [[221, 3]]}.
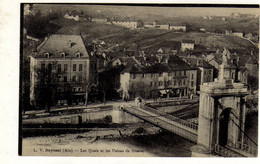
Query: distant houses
{"points": [[128, 24], [237, 33], [166, 26], [99, 20], [187, 44], [72, 17]]}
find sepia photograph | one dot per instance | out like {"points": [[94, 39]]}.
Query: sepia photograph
{"points": [[138, 80]]}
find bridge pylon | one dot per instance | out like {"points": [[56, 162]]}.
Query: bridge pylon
{"points": [[221, 114]]}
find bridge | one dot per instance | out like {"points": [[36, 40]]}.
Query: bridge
{"points": [[186, 130]]}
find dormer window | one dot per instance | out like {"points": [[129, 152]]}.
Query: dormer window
{"points": [[63, 55], [47, 54], [78, 55]]}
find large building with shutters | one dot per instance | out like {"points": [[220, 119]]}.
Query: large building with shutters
{"points": [[154, 76], [68, 57]]}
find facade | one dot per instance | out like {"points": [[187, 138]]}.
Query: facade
{"points": [[127, 24], [204, 69], [187, 45], [68, 56], [178, 28], [217, 59], [252, 66], [169, 76], [75, 18], [239, 34], [99, 20]]}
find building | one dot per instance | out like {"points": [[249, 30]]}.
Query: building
{"points": [[239, 34], [168, 76], [178, 28], [252, 66], [68, 56], [187, 44], [73, 17], [127, 24], [216, 60], [99, 20], [204, 69], [165, 26]]}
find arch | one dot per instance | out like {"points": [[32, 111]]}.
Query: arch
{"points": [[224, 119]]}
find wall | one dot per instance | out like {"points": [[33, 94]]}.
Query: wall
{"points": [[118, 117]]}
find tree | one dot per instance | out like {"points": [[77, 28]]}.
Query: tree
{"points": [[46, 86]]}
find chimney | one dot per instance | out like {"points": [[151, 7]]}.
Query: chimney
{"points": [[69, 43], [198, 62], [238, 60]]}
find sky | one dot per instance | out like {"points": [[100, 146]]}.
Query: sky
{"points": [[165, 11]]}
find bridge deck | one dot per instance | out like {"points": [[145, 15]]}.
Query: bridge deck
{"points": [[173, 124]]}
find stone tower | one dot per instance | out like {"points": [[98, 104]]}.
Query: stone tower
{"points": [[221, 113]]}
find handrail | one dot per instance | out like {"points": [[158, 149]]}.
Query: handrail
{"points": [[170, 117]]}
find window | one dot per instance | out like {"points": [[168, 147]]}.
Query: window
{"points": [[151, 84], [42, 66], [80, 78], [79, 89], [74, 67], [175, 82], [191, 76], [209, 71], [184, 73], [49, 66], [80, 67], [74, 79], [74, 89], [155, 84], [168, 82], [65, 67], [174, 73], [59, 68], [133, 76], [143, 75], [180, 73], [184, 82], [94, 66], [160, 74], [133, 87], [180, 82], [65, 78], [192, 84]]}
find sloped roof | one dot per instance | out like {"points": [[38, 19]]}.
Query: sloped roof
{"points": [[198, 62], [250, 60], [174, 63], [57, 44], [187, 41]]}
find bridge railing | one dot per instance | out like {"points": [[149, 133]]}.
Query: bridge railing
{"points": [[246, 148], [164, 124], [173, 102], [170, 117]]}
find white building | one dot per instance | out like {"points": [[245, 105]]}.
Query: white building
{"points": [[187, 44]]}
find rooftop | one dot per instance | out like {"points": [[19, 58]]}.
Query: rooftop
{"points": [[55, 45], [187, 41]]}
